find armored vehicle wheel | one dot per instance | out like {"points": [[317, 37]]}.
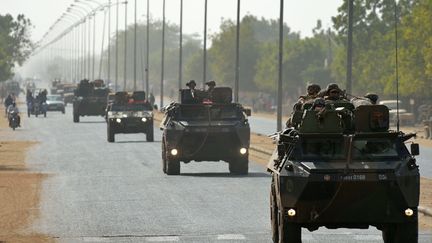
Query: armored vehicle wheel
{"points": [[149, 134], [75, 117], [398, 233], [172, 167], [163, 158], [288, 232], [45, 114], [239, 166], [110, 135], [274, 213]]}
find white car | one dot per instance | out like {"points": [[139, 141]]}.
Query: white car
{"points": [[405, 117], [55, 103]]}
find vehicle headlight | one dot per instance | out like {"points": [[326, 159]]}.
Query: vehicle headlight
{"points": [[124, 115], [243, 151], [118, 120], [409, 212], [143, 119], [110, 113], [174, 152]]}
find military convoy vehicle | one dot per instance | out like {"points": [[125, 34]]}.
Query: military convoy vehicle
{"points": [[129, 114], [208, 130], [90, 99], [341, 167]]}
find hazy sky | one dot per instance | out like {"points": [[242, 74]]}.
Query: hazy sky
{"points": [[300, 15]]}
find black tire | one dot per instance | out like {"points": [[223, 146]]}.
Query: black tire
{"points": [[239, 166], [164, 160], [44, 113], [288, 232], [172, 166], [150, 134], [75, 117], [274, 213], [63, 111], [110, 135], [401, 233]]}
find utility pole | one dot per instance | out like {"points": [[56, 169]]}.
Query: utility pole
{"points": [[135, 48], [147, 47], [94, 46], [279, 87], [125, 50], [116, 49], [163, 57], [237, 67], [205, 44], [180, 48], [109, 42], [350, 45]]}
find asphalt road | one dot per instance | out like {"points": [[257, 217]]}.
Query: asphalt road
{"points": [[102, 192]]}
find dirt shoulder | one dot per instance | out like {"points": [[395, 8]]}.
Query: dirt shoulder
{"points": [[19, 189]]}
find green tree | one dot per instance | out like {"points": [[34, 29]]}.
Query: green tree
{"points": [[15, 44]]}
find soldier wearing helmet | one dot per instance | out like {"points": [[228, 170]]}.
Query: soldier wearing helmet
{"points": [[372, 97]]}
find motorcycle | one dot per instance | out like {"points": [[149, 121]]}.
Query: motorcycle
{"points": [[14, 120]]}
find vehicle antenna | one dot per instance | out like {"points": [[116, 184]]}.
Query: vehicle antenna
{"points": [[397, 64]]}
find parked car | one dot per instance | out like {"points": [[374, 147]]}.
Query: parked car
{"points": [[405, 117], [55, 103]]}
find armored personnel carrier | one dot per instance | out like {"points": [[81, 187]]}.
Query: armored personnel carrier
{"points": [[129, 114], [211, 129], [341, 167], [90, 99]]}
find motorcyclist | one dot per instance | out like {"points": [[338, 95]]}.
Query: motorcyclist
{"points": [[8, 101], [11, 110]]}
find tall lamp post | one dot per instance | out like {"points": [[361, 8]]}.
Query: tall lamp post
{"points": [[237, 67], [279, 86], [205, 44], [180, 48], [163, 57], [125, 50], [147, 48]]}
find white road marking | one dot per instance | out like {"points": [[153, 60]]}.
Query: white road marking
{"points": [[368, 237], [95, 239], [163, 239], [231, 237]]}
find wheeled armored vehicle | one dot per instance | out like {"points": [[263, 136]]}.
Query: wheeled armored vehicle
{"points": [[341, 167], [206, 130], [129, 115], [90, 99]]}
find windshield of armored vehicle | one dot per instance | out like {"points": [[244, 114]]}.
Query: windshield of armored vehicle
{"points": [[214, 112], [132, 107], [322, 149], [363, 149], [374, 149], [193, 113]]}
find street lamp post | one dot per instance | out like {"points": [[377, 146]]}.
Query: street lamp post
{"points": [[205, 44], [135, 48], [147, 47], [279, 87], [125, 50], [237, 67], [163, 56], [180, 47]]}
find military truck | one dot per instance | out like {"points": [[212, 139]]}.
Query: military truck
{"points": [[128, 115], [205, 130], [341, 167], [89, 99]]}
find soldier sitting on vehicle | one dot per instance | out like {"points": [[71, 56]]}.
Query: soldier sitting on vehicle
{"points": [[191, 96], [312, 93], [209, 92]]}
